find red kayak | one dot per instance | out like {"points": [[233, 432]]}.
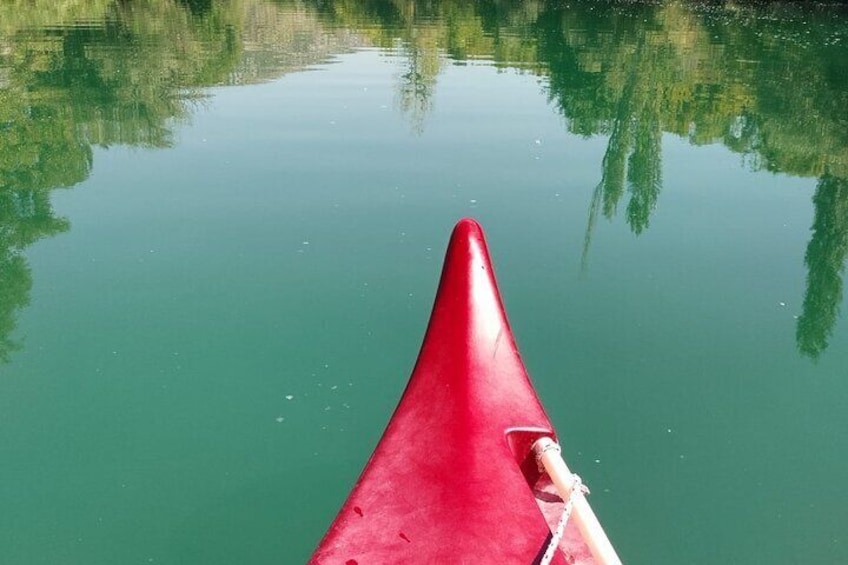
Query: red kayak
{"points": [[455, 477]]}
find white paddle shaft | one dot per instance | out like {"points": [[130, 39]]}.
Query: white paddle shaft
{"points": [[548, 454]]}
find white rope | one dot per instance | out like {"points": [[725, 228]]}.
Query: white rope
{"points": [[577, 489]]}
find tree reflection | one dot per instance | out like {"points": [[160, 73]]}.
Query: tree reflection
{"points": [[766, 80], [67, 87], [25, 217], [423, 64], [825, 260], [634, 71], [415, 92], [74, 75]]}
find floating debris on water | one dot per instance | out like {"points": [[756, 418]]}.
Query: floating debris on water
{"points": [[289, 396]]}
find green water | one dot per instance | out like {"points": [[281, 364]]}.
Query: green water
{"points": [[222, 224]]}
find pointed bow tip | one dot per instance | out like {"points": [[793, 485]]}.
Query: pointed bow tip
{"points": [[468, 290], [467, 227], [467, 234]]}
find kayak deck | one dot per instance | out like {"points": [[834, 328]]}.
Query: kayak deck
{"points": [[454, 478]]}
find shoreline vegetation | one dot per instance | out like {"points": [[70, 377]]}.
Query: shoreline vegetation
{"points": [[767, 80]]}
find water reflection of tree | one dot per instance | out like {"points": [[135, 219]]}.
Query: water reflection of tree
{"points": [[634, 71], [69, 86], [417, 83], [421, 50], [197, 7], [631, 71], [825, 260], [38, 151], [424, 33], [25, 217], [98, 73], [74, 75], [634, 117]]}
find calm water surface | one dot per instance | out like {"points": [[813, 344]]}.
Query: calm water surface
{"points": [[221, 228]]}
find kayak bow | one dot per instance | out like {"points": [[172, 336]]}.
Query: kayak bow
{"points": [[454, 478]]}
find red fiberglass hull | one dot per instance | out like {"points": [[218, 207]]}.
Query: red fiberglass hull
{"points": [[453, 479]]}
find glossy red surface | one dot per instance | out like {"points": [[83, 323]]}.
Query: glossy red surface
{"points": [[451, 480]]}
